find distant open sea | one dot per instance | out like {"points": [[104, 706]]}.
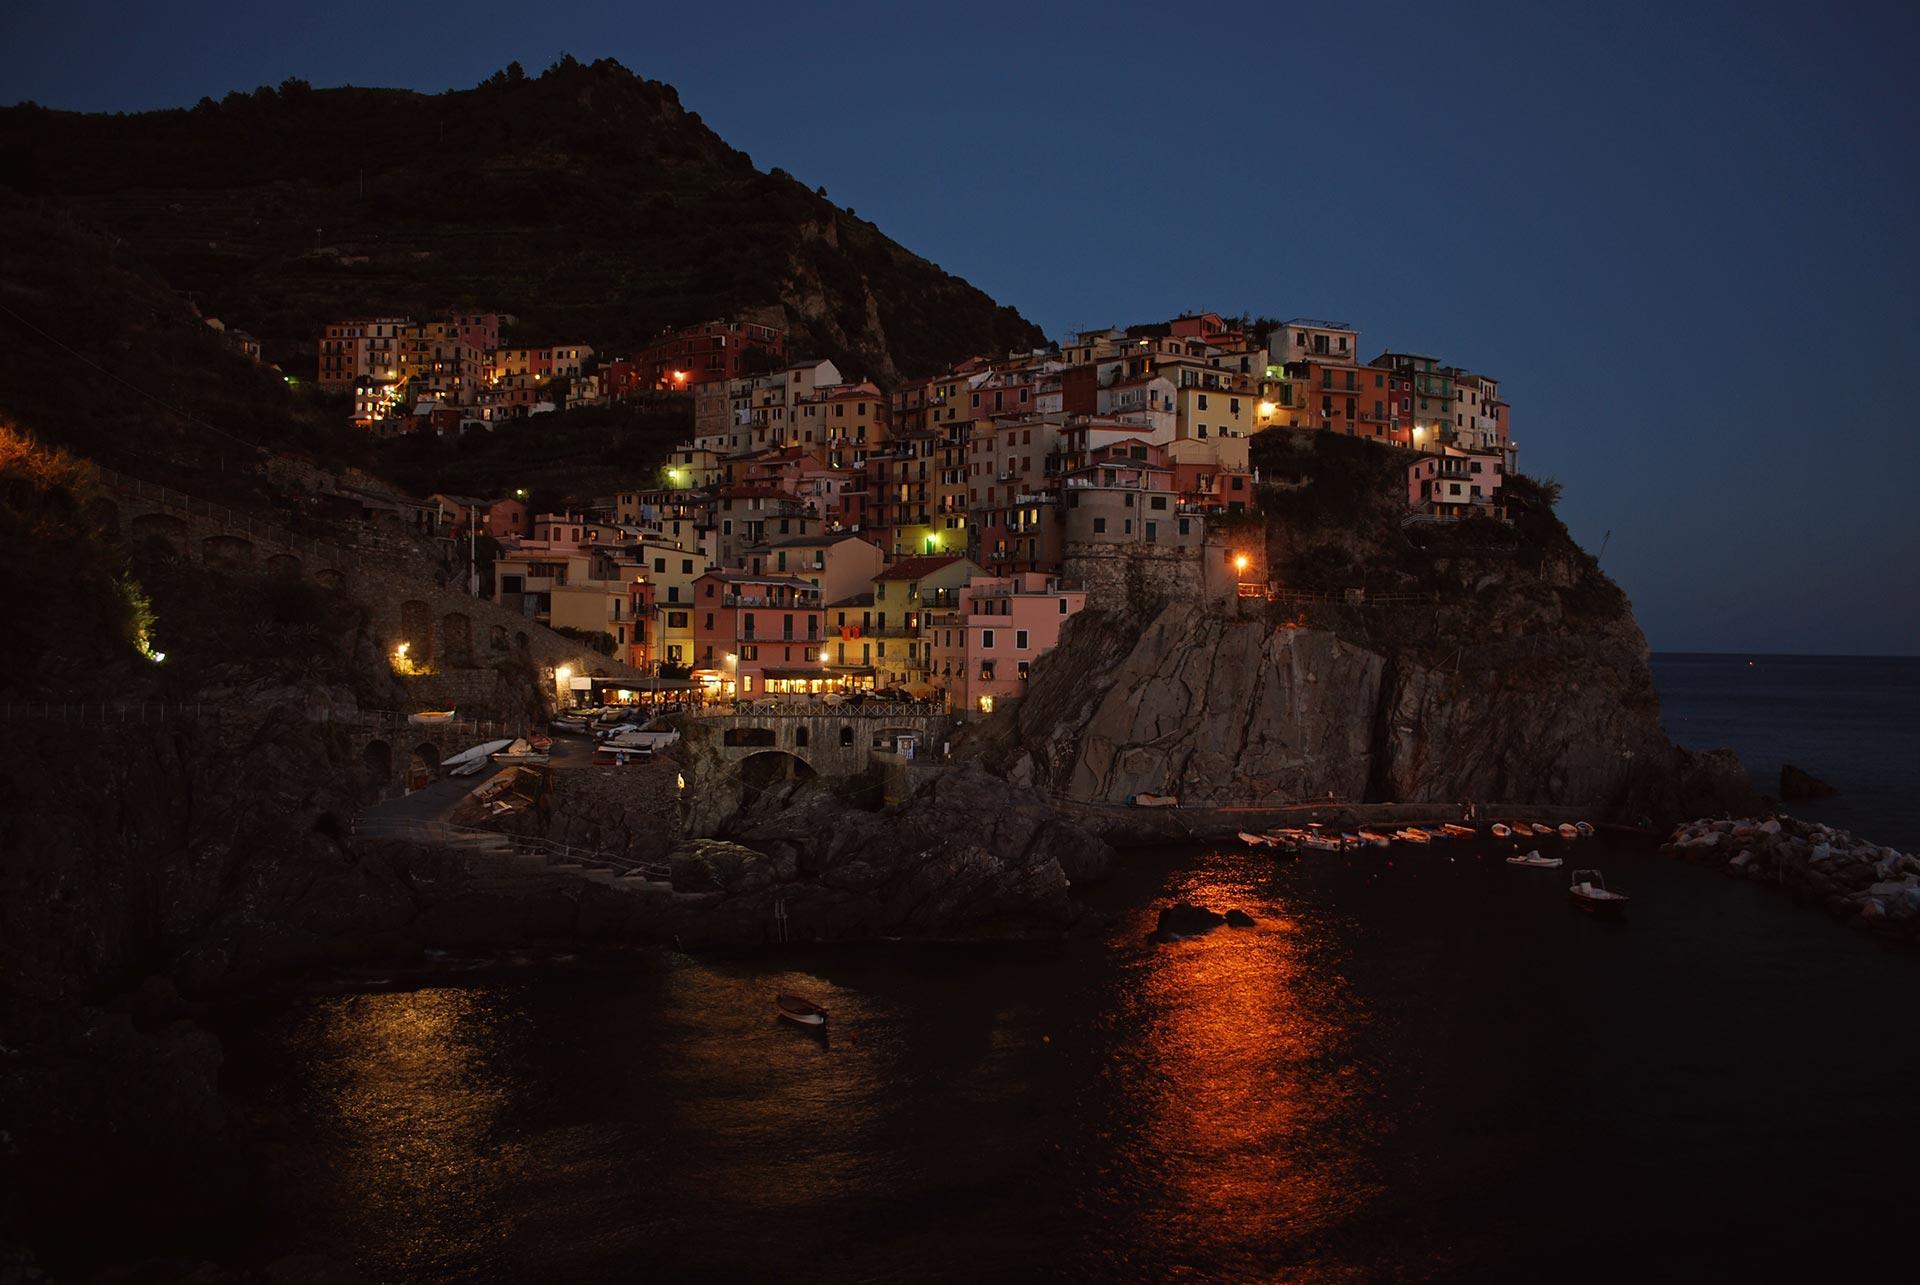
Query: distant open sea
{"points": [[1852, 721]]}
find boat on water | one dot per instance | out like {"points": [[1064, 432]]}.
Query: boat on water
{"points": [[1568, 830], [1585, 828], [1154, 801], [1375, 838], [1348, 840], [1501, 830], [1459, 831], [1522, 829], [1256, 840], [1536, 860], [1413, 834], [540, 744], [1590, 893], [802, 1012], [1321, 842]]}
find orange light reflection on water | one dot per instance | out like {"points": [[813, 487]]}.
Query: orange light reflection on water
{"points": [[1251, 1107]]}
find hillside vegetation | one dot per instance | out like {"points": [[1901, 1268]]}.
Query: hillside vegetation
{"points": [[586, 201]]}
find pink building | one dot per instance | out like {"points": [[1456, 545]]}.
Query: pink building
{"points": [[1457, 484], [754, 634], [983, 651]]}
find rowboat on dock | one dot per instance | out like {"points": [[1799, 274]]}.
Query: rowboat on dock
{"points": [[802, 1012], [1591, 894], [1321, 842], [1568, 830], [1374, 837], [1585, 828], [1459, 831], [1501, 830], [1256, 840], [1413, 834]]}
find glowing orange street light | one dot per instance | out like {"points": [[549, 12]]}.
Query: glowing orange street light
{"points": [[1241, 562]]}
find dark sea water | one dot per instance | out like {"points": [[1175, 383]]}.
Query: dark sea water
{"points": [[1422, 1064], [1852, 721]]}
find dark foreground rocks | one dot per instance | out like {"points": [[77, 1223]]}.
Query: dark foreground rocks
{"points": [[1869, 885]]}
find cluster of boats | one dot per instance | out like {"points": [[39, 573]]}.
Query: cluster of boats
{"points": [[1589, 889], [1317, 838]]}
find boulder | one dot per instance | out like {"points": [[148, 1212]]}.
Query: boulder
{"points": [[1239, 919], [1184, 919], [1798, 785]]}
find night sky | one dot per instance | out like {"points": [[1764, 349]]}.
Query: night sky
{"points": [[1682, 235]]}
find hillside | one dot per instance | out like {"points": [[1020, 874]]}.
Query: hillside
{"points": [[586, 201]]}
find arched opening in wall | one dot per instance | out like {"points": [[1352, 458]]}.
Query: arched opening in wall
{"points": [[765, 773], [497, 638], [283, 565], [800, 737], [377, 759], [227, 552], [328, 579], [738, 736], [456, 639], [104, 515], [520, 643], [427, 755], [416, 630], [846, 736], [158, 532]]}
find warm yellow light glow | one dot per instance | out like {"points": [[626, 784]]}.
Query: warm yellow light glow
{"points": [[562, 674], [1268, 408], [986, 704], [1241, 562], [400, 652]]}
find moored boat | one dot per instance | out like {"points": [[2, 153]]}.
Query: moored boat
{"points": [[1374, 837], [520, 751], [1590, 893], [1459, 831], [1536, 860], [1501, 830], [1321, 842], [804, 1012], [1522, 829], [1585, 828], [1255, 840], [1568, 830], [1413, 834]]}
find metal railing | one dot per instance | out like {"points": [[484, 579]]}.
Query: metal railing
{"points": [[447, 834]]}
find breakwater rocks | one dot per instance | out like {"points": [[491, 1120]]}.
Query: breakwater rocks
{"points": [[1862, 882]]}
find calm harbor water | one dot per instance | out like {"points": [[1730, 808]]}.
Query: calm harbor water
{"points": [[1420, 1064]]}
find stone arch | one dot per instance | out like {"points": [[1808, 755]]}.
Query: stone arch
{"points": [[738, 736], [456, 639], [800, 737], [160, 530], [104, 514], [328, 579], [228, 552], [284, 565], [770, 768], [377, 758], [497, 638], [846, 736], [521, 643], [416, 630], [426, 754]]}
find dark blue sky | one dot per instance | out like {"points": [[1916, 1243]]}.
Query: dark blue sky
{"points": [[1682, 235]]}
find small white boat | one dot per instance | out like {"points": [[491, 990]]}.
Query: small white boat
{"points": [[1460, 831], [429, 716], [1413, 835], [1590, 893], [520, 751], [1522, 829], [1536, 860], [1154, 801], [1321, 842], [1501, 830], [1585, 828], [1255, 840], [469, 762], [1374, 837], [802, 1012], [1352, 841], [1568, 830]]}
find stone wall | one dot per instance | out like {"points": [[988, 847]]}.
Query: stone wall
{"points": [[1145, 577]]}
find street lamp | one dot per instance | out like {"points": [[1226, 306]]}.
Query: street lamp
{"points": [[1241, 562]]}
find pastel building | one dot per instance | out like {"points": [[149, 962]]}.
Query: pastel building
{"points": [[903, 594], [983, 649], [1457, 484], [757, 633]]}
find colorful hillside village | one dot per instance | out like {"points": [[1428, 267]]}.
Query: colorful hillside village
{"points": [[820, 534]]}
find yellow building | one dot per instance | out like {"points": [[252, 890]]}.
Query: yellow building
{"points": [[1201, 412]]}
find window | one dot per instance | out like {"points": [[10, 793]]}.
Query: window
{"points": [[1203, 401], [749, 652], [676, 620], [1099, 526], [1153, 532], [1186, 528], [986, 637], [1019, 640], [1157, 502]]}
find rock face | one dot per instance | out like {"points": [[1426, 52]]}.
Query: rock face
{"points": [[1797, 786], [1219, 709], [966, 856], [1184, 919], [1872, 886]]}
